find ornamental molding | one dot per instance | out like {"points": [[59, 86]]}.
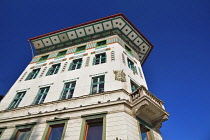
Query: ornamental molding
{"points": [[120, 75]]}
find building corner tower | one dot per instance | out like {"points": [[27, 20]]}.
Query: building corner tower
{"points": [[85, 83]]}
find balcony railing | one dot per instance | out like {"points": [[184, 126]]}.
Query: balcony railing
{"points": [[143, 92]]}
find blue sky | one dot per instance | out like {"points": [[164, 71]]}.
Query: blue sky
{"points": [[177, 70]]}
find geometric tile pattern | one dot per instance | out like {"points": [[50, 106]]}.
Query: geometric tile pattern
{"points": [[89, 31]]}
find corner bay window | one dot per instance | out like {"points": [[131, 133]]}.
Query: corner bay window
{"points": [[41, 95], [99, 59], [16, 101], [33, 74], [68, 90], [76, 64], [97, 84], [54, 69]]}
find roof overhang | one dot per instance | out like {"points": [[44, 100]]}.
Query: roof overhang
{"points": [[99, 28]]}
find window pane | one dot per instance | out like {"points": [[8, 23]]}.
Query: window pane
{"points": [[144, 133], [22, 134], [101, 87], [95, 130], [56, 133]]}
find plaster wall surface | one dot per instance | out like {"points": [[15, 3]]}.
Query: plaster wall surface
{"points": [[82, 76]]}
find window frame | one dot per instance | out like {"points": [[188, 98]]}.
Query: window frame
{"points": [[98, 43], [79, 48], [43, 58], [95, 116], [22, 127], [61, 53], [33, 75], [18, 99], [130, 64], [2, 129], [129, 50], [100, 58], [54, 122], [97, 83], [64, 89], [54, 69], [78, 63], [133, 83], [147, 126], [42, 95]]}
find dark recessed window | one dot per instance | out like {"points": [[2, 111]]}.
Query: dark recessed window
{"points": [[100, 43], [61, 53], [128, 49], [43, 58], [81, 48]]}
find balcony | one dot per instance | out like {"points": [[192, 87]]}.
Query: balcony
{"points": [[147, 106]]}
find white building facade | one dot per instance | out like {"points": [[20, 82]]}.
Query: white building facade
{"points": [[85, 83]]}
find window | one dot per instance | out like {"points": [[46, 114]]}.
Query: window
{"points": [[41, 95], [97, 85], [82, 48], [100, 43], [43, 58], [54, 69], [130, 64], [33, 74], [76, 64], [16, 101], [93, 127], [145, 133], [2, 131], [61, 53], [133, 86], [55, 132], [99, 59], [128, 49], [68, 90], [22, 132], [55, 129]]}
